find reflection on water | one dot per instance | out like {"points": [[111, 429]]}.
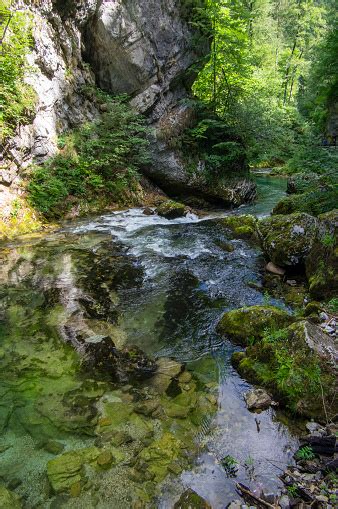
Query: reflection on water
{"points": [[145, 281]]}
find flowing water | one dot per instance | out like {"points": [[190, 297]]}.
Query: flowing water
{"points": [[162, 286]]}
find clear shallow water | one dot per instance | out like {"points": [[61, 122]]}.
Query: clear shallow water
{"points": [[168, 283]]}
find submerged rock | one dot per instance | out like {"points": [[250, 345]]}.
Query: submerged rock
{"points": [[160, 455], [8, 499], [167, 371], [123, 365], [172, 210], [257, 399], [191, 500], [287, 240], [66, 470], [251, 322]]}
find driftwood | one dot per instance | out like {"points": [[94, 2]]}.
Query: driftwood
{"points": [[322, 445], [246, 492]]}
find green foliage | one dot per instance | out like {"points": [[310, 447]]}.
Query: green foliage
{"points": [[101, 157], [332, 305], [257, 72], [17, 99], [312, 158], [229, 463], [305, 453], [328, 240], [293, 490]]}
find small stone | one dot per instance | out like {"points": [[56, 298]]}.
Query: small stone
{"points": [[322, 498], [284, 502], [291, 282], [148, 211], [323, 316], [274, 269], [212, 399], [312, 426], [120, 438], [147, 407], [105, 459], [54, 447], [257, 399]]}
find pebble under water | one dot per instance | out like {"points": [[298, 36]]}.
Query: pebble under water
{"points": [[73, 437]]}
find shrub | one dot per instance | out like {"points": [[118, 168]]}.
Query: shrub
{"points": [[99, 158]]}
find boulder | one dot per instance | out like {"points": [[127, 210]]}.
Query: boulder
{"points": [[191, 500], [298, 365], [172, 210], [274, 269], [251, 322], [8, 499], [257, 399], [287, 240]]}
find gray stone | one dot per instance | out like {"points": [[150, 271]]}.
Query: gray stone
{"points": [[284, 502], [257, 399]]}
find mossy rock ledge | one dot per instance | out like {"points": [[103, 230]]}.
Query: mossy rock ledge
{"points": [[297, 367], [247, 323], [287, 240]]}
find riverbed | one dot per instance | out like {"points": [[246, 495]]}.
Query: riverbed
{"points": [[162, 286]]}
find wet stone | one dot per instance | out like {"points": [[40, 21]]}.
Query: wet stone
{"points": [[54, 447], [105, 459], [191, 500], [257, 399]]}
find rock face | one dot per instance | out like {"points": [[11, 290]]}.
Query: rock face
{"points": [[143, 49]]}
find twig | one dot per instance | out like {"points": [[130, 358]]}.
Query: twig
{"points": [[249, 493]]}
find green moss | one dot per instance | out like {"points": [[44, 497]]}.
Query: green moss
{"points": [[287, 240], [284, 362], [9, 500], [243, 226], [244, 324], [315, 202], [171, 209], [20, 220]]}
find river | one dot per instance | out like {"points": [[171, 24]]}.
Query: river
{"points": [[146, 281]]}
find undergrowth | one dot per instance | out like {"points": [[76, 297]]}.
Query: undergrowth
{"points": [[100, 159]]}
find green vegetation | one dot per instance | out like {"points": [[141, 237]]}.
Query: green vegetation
{"points": [[305, 453], [282, 361], [267, 58], [100, 158], [17, 98]]}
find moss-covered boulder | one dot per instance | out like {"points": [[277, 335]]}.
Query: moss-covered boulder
{"points": [[297, 365], [322, 261], [287, 240], [8, 499], [243, 226], [67, 469], [172, 209], [244, 324]]}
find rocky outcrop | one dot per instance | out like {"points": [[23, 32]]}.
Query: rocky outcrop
{"points": [[143, 49]]}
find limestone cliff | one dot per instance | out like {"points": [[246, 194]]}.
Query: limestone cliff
{"points": [[142, 48]]}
